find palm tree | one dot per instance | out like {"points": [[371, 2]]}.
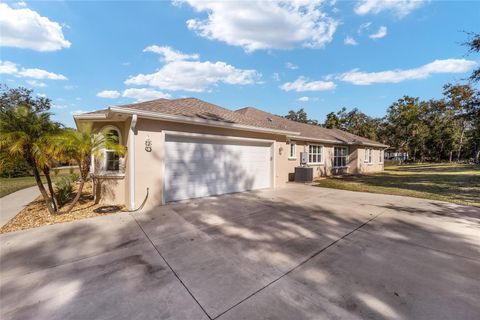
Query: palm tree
{"points": [[24, 123], [79, 146]]}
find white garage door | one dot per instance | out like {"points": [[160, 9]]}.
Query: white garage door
{"points": [[197, 167]]}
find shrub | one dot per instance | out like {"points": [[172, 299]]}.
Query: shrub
{"points": [[64, 189]]}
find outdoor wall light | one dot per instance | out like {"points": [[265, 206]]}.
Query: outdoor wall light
{"points": [[148, 145], [280, 150]]}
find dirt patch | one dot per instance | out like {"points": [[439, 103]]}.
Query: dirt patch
{"points": [[36, 214]]}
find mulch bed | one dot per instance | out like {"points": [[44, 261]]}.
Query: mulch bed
{"points": [[36, 214]]}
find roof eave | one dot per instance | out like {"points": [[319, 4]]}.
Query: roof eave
{"points": [[197, 121]]}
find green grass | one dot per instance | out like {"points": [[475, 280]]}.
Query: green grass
{"points": [[457, 183], [10, 185]]}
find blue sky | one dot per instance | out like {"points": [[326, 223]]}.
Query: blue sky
{"points": [[320, 55]]}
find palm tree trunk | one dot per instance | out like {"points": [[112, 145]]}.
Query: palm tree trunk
{"points": [[46, 172], [77, 196], [45, 196]]}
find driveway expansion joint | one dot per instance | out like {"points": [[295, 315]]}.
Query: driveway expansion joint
{"points": [[301, 263], [171, 269]]}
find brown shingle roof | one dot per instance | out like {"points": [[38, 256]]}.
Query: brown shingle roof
{"points": [[306, 130], [195, 108]]}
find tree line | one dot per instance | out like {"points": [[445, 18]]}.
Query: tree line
{"points": [[434, 130]]}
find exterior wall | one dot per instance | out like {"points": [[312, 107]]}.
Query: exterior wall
{"points": [[112, 189], [375, 166], [326, 168], [149, 165]]}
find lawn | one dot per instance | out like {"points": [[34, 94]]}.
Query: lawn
{"points": [[10, 185], [457, 183]]}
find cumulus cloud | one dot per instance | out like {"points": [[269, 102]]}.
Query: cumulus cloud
{"points": [[382, 32], [10, 68], [25, 28], [109, 94], [303, 99], [398, 75], [349, 41], [303, 84], [169, 54], [195, 76], [144, 94], [256, 25], [400, 8]]}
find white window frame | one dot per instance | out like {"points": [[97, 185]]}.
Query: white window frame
{"points": [[310, 155], [346, 156], [294, 149], [381, 156], [104, 130], [368, 155]]}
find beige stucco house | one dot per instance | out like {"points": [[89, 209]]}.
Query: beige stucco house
{"points": [[188, 148]]}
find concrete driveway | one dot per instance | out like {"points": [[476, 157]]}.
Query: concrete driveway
{"points": [[298, 252]]}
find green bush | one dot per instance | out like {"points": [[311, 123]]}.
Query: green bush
{"points": [[64, 189], [13, 166]]}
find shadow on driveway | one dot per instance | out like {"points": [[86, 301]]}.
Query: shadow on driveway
{"points": [[294, 253]]}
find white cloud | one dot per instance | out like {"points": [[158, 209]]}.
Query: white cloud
{"points": [[398, 75], [291, 66], [303, 84], [256, 25], [382, 32], [8, 67], [349, 41], [144, 94], [25, 28], [276, 76], [139, 94], [400, 8], [75, 112], [35, 83], [194, 76], [109, 94], [303, 99], [169, 54]]}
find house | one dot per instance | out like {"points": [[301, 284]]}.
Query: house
{"points": [[188, 148]]}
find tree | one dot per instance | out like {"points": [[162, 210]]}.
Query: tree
{"points": [[332, 121], [463, 101], [406, 130], [24, 125], [473, 44], [300, 116], [79, 146]]}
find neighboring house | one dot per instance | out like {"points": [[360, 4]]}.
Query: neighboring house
{"points": [[395, 155], [188, 148]]}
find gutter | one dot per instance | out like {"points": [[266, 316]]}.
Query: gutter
{"points": [[336, 141], [204, 122]]}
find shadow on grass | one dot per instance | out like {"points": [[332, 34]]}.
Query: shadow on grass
{"points": [[438, 183]]}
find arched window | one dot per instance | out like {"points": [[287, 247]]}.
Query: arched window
{"points": [[112, 159]]}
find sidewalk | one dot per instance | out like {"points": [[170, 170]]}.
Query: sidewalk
{"points": [[12, 204]]}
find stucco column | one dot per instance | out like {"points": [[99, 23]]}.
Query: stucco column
{"points": [[131, 162]]}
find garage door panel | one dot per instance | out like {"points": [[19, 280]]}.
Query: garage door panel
{"points": [[199, 168]]}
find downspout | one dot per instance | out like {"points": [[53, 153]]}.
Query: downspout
{"points": [[131, 162]]}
